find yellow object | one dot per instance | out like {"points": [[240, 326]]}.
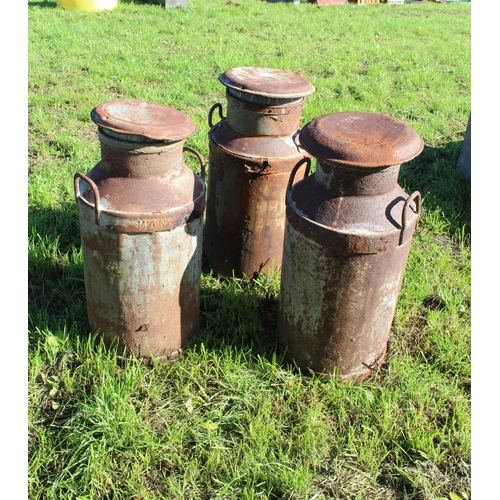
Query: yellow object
{"points": [[87, 5]]}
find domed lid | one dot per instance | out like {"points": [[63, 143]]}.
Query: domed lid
{"points": [[361, 139], [266, 82], [143, 119]]}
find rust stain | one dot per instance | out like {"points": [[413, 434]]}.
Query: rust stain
{"points": [[252, 152], [141, 218], [344, 258]]}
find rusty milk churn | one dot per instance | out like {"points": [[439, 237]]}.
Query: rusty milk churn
{"points": [[141, 221], [347, 238], [252, 152]]}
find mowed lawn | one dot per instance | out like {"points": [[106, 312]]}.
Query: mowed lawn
{"points": [[231, 418]]}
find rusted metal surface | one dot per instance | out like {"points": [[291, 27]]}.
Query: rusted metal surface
{"points": [[252, 153], [256, 83], [148, 120], [141, 219], [347, 238], [367, 140]]}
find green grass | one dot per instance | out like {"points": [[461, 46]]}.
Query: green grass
{"points": [[231, 419]]}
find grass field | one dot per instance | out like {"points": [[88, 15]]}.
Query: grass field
{"points": [[231, 419]]}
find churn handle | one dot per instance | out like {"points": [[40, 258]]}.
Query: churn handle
{"points": [[200, 157], [211, 112], [294, 171], [417, 197], [92, 184]]}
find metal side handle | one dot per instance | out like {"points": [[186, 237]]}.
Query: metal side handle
{"points": [[294, 172], [200, 158], [92, 184], [211, 112], [414, 197]]}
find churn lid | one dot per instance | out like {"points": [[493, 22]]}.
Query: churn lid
{"points": [[143, 119], [266, 82], [361, 139]]}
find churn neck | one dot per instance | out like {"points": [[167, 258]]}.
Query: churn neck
{"points": [[251, 119], [351, 180], [141, 139], [264, 101], [126, 156], [359, 153]]}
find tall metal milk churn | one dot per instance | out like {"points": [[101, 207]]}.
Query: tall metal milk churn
{"points": [[141, 219], [347, 238], [251, 154]]}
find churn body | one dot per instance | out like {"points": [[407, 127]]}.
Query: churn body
{"points": [[251, 154], [347, 238], [141, 221]]}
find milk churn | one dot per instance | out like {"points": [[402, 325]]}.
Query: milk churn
{"points": [[141, 214], [251, 154], [348, 232]]}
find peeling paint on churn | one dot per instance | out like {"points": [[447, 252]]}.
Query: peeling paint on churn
{"points": [[251, 154], [141, 221], [348, 233]]}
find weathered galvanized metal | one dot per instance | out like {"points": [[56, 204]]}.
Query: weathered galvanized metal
{"points": [[348, 233], [251, 154], [141, 218]]}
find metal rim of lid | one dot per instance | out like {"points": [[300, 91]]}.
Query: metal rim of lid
{"points": [[361, 139], [267, 82], [143, 119]]}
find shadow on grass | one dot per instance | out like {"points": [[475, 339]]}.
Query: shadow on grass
{"points": [[56, 292], [434, 174], [44, 5], [241, 315]]}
